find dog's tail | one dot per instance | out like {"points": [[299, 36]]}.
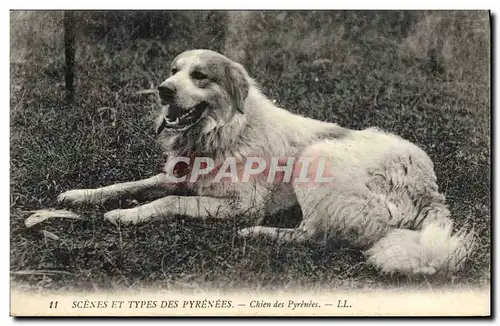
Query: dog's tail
{"points": [[431, 250]]}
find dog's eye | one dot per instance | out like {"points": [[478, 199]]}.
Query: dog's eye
{"points": [[173, 71], [198, 75]]}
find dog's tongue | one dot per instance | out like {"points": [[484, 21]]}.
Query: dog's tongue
{"points": [[169, 113], [160, 124], [174, 112]]}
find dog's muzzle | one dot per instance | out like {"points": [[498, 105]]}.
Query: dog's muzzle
{"points": [[176, 119]]}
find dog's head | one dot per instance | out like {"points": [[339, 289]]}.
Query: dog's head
{"points": [[204, 88]]}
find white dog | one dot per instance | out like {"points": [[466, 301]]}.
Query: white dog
{"points": [[382, 196]]}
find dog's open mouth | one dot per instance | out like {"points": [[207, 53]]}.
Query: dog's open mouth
{"points": [[179, 119]]}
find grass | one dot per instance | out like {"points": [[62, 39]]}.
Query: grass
{"points": [[422, 75]]}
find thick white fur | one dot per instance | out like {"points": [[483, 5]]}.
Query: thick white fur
{"points": [[384, 198], [432, 250]]}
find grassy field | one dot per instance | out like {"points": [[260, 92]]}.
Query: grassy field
{"points": [[422, 75]]}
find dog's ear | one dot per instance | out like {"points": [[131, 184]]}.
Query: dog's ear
{"points": [[237, 84]]}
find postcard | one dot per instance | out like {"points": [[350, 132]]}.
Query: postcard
{"points": [[250, 163]]}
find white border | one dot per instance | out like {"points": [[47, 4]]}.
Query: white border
{"points": [[254, 4], [259, 5]]}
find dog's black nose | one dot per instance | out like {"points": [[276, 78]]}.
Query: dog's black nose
{"points": [[166, 92]]}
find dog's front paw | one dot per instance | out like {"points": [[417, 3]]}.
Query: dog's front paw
{"points": [[247, 232], [77, 197], [123, 216]]}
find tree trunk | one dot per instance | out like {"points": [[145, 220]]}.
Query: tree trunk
{"points": [[69, 52]]}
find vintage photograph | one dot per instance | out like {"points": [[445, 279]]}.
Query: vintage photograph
{"points": [[250, 162]]}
